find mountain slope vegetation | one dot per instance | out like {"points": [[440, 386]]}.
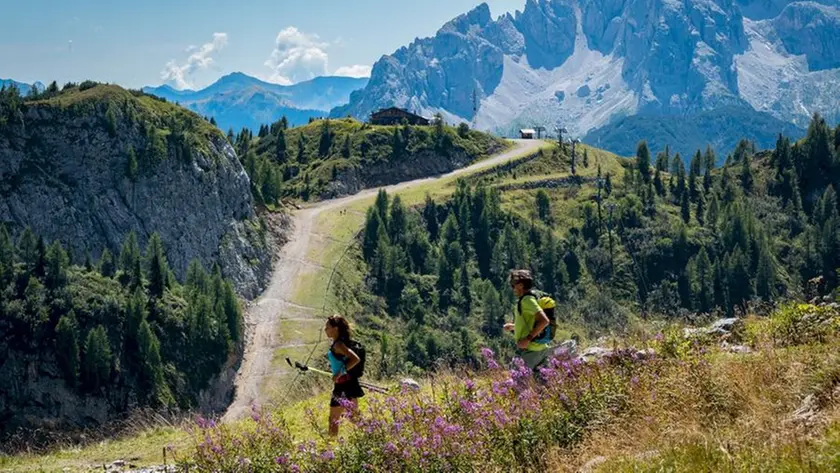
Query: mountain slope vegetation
{"points": [[86, 344], [88, 172], [654, 239], [331, 158]]}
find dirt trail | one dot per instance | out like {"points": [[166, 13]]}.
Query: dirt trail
{"points": [[273, 307]]}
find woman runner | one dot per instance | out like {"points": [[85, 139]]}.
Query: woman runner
{"points": [[342, 360]]}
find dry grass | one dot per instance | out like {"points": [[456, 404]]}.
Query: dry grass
{"points": [[723, 412]]}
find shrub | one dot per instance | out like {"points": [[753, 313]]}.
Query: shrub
{"points": [[798, 324]]}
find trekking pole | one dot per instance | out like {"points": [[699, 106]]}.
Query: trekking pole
{"points": [[364, 384]]}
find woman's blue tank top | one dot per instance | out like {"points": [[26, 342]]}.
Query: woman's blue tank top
{"points": [[337, 365]]}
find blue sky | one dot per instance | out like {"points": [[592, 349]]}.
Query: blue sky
{"points": [[191, 43]]}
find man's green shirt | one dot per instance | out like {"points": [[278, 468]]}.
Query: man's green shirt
{"points": [[523, 323]]}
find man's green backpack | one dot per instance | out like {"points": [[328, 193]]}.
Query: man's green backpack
{"points": [[547, 304]]}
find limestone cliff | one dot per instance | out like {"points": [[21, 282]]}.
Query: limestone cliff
{"points": [[89, 166]]}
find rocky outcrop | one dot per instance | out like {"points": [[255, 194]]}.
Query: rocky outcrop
{"points": [[384, 173], [812, 30], [64, 173]]}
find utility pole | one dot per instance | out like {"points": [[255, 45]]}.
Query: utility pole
{"points": [[539, 130], [560, 130]]}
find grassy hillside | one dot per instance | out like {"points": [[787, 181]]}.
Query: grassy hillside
{"points": [[328, 158], [654, 241], [660, 400]]}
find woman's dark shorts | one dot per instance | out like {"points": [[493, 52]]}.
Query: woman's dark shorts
{"points": [[348, 390]]}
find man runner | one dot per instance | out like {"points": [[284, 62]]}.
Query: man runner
{"points": [[529, 321]]}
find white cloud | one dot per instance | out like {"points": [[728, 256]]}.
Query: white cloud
{"points": [[359, 70], [179, 76], [297, 56]]}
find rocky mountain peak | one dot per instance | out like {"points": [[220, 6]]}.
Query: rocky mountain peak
{"points": [[651, 57], [470, 22]]}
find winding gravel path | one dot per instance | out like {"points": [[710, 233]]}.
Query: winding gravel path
{"points": [[273, 307]]}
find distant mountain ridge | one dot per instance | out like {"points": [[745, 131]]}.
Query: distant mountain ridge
{"points": [[241, 101], [22, 87], [587, 64]]}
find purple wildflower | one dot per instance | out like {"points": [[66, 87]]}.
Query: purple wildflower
{"points": [[282, 459], [487, 353], [328, 455], [201, 422]]}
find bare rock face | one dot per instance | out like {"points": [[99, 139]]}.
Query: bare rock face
{"points": [[813, 30], [64, 173]]}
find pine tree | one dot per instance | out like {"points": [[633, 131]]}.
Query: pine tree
{"points": [[709, 161], [67, 348], [398, 221], [88, 262], [747, 180], [585, 158], [57, 263], [543, 206], [373, 230], [703, 284], [685, 209], [693, 174], [450, 262], [765, 277], [818, 164], [381, 206], [826, 207], [573, 266], [325, 142], [151, 380], [430, 215], [132, 169], [701, 210], [658, 184], [40, 269], [233, 313], [28, 249], [197, 279], [7, 255], [662, 161], [129, 253], [96, 368], [347, 149], [643, 161], [464, 292], [280, 147], [494, 313], [739, 280], [157, 269], [548, 264], [301, 151], [682, 186], [484, 243], [608, 185]]}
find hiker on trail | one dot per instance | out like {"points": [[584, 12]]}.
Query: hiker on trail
{"points": [[531, 326], [345, 364]]}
